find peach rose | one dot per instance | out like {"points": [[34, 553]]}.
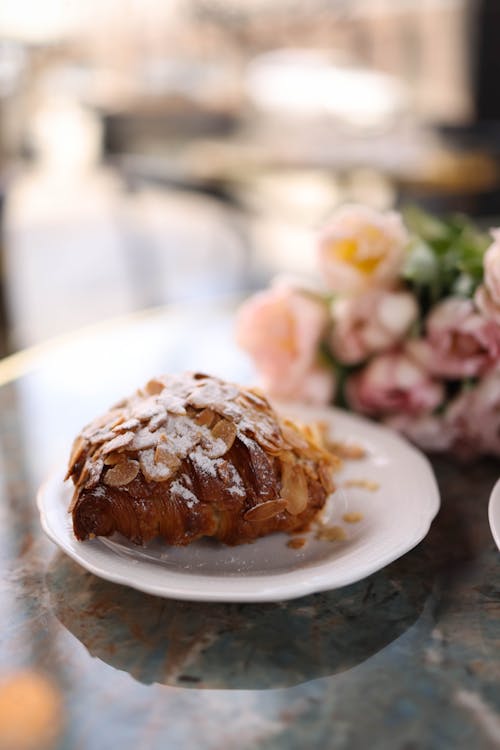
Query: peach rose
{"points": [[317, 387], [280, 329], [393, 384], [361, 248], [369, 323], [461, 343]]}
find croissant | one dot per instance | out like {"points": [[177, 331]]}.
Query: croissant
{"points": [[194, 456]]}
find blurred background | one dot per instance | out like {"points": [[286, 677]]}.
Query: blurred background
{"points": [[153, 151]]}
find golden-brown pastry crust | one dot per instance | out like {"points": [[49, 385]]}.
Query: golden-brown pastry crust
{"points": [[190, 456]]}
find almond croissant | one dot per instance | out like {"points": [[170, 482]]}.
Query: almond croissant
{"points": [[191, 456]]}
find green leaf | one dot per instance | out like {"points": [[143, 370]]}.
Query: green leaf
{"points": [[464, 285], [421, 265], [424, 225]]}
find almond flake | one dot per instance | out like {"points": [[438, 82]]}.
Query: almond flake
{"points": [[172, 403], [352, 517], [325, 477], [121, 474], [205, 418], [331, 534], [157, 421], [364, 484], [153, 472], [297, 542], [225, 431], [101, 436], [265, 510], [91, 473], [111, 459], [154, 387], [77, 450], [256, 398], [293, 436], [146, 411], [294, 488], [120, 441], [165, 456], [145, 439], [129, 424]]}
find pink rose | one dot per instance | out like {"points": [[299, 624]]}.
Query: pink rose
{"points": [[461, 343], [280, 329], [474, 418], [430, 432], [392, 384], [492, 268], [486, 305], [361, 248], [371, 322]]}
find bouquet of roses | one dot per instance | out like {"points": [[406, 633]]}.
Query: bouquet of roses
{"points": [[403, 325]]}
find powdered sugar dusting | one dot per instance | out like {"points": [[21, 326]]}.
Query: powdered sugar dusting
{"points": [[204, 463], [179, 490]]}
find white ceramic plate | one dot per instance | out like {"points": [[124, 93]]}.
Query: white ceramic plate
{"points": [[395, 517], [494, 513]]}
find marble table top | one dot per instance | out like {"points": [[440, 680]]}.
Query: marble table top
{"points": [[408, 658]]}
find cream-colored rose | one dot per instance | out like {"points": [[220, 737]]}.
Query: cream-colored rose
{"points": [[361, 248], [369, 323], [281, 329]]}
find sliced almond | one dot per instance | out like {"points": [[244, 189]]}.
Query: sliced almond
{"points": [[146, 411], [294, 488], [297, 542], [172, 404], [349, 451], [101, 436], [153, 472], [212, 394], [111, 459], [164, 455], [325, 473], [120, 441], [205, 418], [91, 473], [154, 387], [364, 484], [266, 510], [77, 451], [225, 431], [107, 420], [122, 473], [256, 398], [293, 436], [331, 534], [129, 424], [352, 517], [146, 439], [157, 421]]}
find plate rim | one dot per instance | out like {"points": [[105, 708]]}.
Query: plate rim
{"points": [[494, 505], [280, 586]]}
